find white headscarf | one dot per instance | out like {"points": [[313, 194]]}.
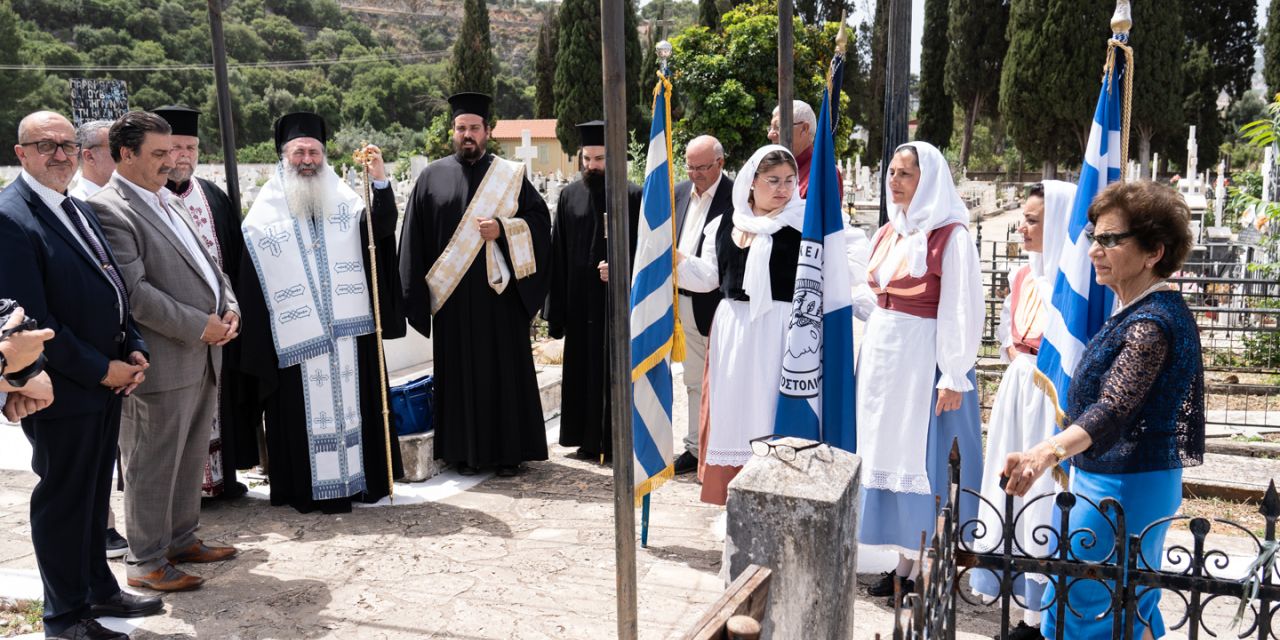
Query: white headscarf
{"points": [[1058, 198], [935, 204], [755, 281]]}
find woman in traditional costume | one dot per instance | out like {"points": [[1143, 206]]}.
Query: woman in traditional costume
{"points": [[917, 391], [1023, 413], [752, 260]]}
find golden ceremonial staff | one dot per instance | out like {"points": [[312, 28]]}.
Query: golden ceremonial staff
{"points": [[361, 155]]}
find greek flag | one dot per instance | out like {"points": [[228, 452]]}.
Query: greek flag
{"points": [[654, 331], [1080, 305], [817, 390]]}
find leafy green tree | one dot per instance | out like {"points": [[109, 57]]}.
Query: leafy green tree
{"points": [[472, 56], [708, 14], [1271, 49], [875, 79], [514, 97], [977, 33], [935, 114], [1200, 106], [726, 84], [283, 40], [1157, 81], [579, 93], [1230, 29], [544, 66], [1049, 81], [242, 42]]}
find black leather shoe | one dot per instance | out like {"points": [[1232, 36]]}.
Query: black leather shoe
{"points": [[884, 586], [464, 469], [89, 630], [117, 546], [1023, 631], [234, 490], [127, 605], [685, 463], [908, 586]]}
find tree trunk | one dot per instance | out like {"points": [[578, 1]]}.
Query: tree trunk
{"points": [[1049, 170], [1144, 153], [970, 116]]}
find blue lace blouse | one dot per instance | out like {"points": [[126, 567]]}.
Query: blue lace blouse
{"points": [[1139, 390]]}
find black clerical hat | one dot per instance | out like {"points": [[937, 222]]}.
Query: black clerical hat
{"points": [[183, 120], [300, 124], [470, 102], [591, 134]]}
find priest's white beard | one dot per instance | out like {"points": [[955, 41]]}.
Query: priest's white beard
{"points": [[307, 196]]}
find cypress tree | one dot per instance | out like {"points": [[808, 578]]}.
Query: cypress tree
{"points": [[544, 65], [1201, 104], [578, 90], [1229, 28], [1271, 51], [579, 97], [977, 33], [875, 111], [709, 14], [637, 115], [935, 113], [1157, 80], [472, 68]]}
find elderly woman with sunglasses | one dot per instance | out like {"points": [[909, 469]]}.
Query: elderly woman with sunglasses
{"points": [[1135, 406]]}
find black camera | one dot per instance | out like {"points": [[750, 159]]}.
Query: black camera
{"points": [[7, 307], [18, 378]]}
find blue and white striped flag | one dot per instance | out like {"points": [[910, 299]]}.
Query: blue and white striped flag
{"points": [[1080, 305], [654, 331], [817, 390]]}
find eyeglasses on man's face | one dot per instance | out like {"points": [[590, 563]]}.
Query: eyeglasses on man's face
{"points": [[1107, 240], [700, 168], [785, 452], [49, 147]]}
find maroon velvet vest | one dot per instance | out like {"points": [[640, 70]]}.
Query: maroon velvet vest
{"points": [[904, 293]]}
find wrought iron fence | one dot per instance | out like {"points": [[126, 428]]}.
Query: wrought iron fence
{"points": [[1236, 310], [1196, 575]]}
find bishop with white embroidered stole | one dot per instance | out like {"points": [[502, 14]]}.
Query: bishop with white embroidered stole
{"points": [[309, 332]]}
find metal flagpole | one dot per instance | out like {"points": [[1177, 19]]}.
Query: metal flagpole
{"points": [[615, 173], [896, 101], [786, 72], [225, 123]]}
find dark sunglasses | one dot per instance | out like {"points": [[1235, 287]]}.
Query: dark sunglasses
{"points": [[1107, 240]]}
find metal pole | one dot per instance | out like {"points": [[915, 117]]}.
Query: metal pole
{"points": [[786, 72], [615, 175], [896, 100], [225, 124]]}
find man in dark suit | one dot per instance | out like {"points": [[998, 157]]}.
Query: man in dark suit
{"points": [[55, 261], [706, 195]]}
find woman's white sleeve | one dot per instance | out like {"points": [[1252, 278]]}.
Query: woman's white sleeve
{"points": [[1004, 330], [960, 312], [701, 274], [858, 250]]}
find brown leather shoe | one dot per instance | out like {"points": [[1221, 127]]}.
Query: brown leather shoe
{"points": [[201, 552], [167, 578]]}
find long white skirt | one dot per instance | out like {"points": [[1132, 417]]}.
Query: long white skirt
{"points": [[744, 373], [1022, 416]]}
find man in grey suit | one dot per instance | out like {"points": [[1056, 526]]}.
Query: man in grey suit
{"points": [[187, 311], [706, 195]]}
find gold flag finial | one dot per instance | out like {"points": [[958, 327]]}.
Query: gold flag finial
{"points": [[842, 36], [1122, 19]]}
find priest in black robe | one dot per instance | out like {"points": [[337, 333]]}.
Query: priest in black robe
{"points": [[278, 392], [233, 443], [578, 303], [479, 297]]}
